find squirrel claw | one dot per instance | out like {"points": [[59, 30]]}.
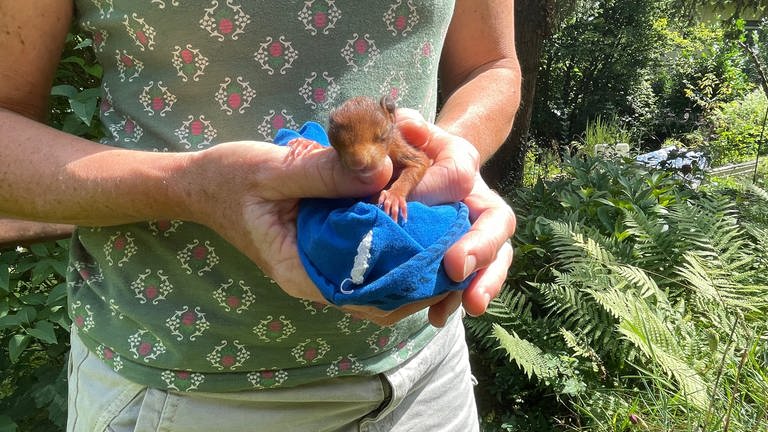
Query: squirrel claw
{"points": [[394, 205], [299, 147]]}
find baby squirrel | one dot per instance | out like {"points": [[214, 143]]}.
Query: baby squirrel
{"points": [[363, 132]]}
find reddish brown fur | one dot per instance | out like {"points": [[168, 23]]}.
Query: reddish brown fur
{"points": [[363, 132]]}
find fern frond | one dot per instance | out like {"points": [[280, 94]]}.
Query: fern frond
{"points": [[526, 355], [580, 347], [645, 330], [712, 284], [638, 278]]}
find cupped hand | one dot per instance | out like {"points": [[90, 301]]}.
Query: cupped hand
{"points": [[249, 192], [485, 249]]}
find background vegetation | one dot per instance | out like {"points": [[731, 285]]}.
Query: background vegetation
{"points": [[636, 302]]}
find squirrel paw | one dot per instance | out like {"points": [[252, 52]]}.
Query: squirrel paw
{"points": [[299, 147], [393, 204]]}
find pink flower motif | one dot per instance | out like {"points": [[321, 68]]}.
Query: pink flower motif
{"points": [[394, 92], [275, 49], [310, 354], [196, 127], [227, 360], [158, 103], [145, 348], [151, 291], [182, 375], [318, 95], [400, 22], [129, 127], [85, 274], [233, 301], [361, 46], [234, 100], [199, 253], [187, 56], [141, 37], [345, 364], [275, 326], [226, 26], [163, 225], [320, 19], [119, 243], [127, 61], [268, 374], [79, 321], [383, 341], [188, 318], [105, 105], [426, 49], [108, 354], [278, 122]]}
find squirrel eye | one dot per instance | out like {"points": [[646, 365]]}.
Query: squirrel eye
{"points": [[384, 134]]}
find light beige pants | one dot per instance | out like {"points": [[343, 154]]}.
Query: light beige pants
{"points": [[430, 392]]}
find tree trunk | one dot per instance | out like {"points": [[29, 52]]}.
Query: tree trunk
{"points": [[533, 20]]}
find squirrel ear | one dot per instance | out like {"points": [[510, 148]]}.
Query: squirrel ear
{"points": [[388, 105]]}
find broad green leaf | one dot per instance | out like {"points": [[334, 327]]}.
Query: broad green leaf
{"points": [[64, 90], [27, 314], [84, 104], [7, 424], [9, 321], [85, 43], [34, 299], [5, 277], [44, 331], [39, 250], [57, 293], [16, 345]]}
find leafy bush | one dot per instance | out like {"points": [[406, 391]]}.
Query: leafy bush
{"points": [[34, 338], [632, 301], [593, 65], [701, 68], [738, 129]]}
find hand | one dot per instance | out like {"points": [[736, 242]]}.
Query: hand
{"points": [[248, 192], [485, 248]]}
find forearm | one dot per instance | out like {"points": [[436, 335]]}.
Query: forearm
{"points": [[482, 109], [51, 176]]}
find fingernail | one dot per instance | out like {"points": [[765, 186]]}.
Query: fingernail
{"points": [[469, 265], [487, 299]]}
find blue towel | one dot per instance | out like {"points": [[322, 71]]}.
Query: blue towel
{"points": [[356, 254]]}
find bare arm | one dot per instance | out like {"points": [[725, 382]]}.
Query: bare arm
{"points": [[480, 74], [48, 175]]}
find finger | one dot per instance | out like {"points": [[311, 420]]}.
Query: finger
{"points": [[488, 283], [387, 318], [318, 174], [455, 160], [493, 223], [440, 312]]}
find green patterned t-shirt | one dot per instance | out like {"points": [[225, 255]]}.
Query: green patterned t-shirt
{"points": [[170, 304]]}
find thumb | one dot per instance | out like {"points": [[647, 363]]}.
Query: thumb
{"points": [[320, 174]]}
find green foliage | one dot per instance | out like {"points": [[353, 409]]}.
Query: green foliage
{"points": [[34, 324], [592, 65], [635, 301], [33, 337], [701, 68], [738, 129], [602, 132], [76, 90]]}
